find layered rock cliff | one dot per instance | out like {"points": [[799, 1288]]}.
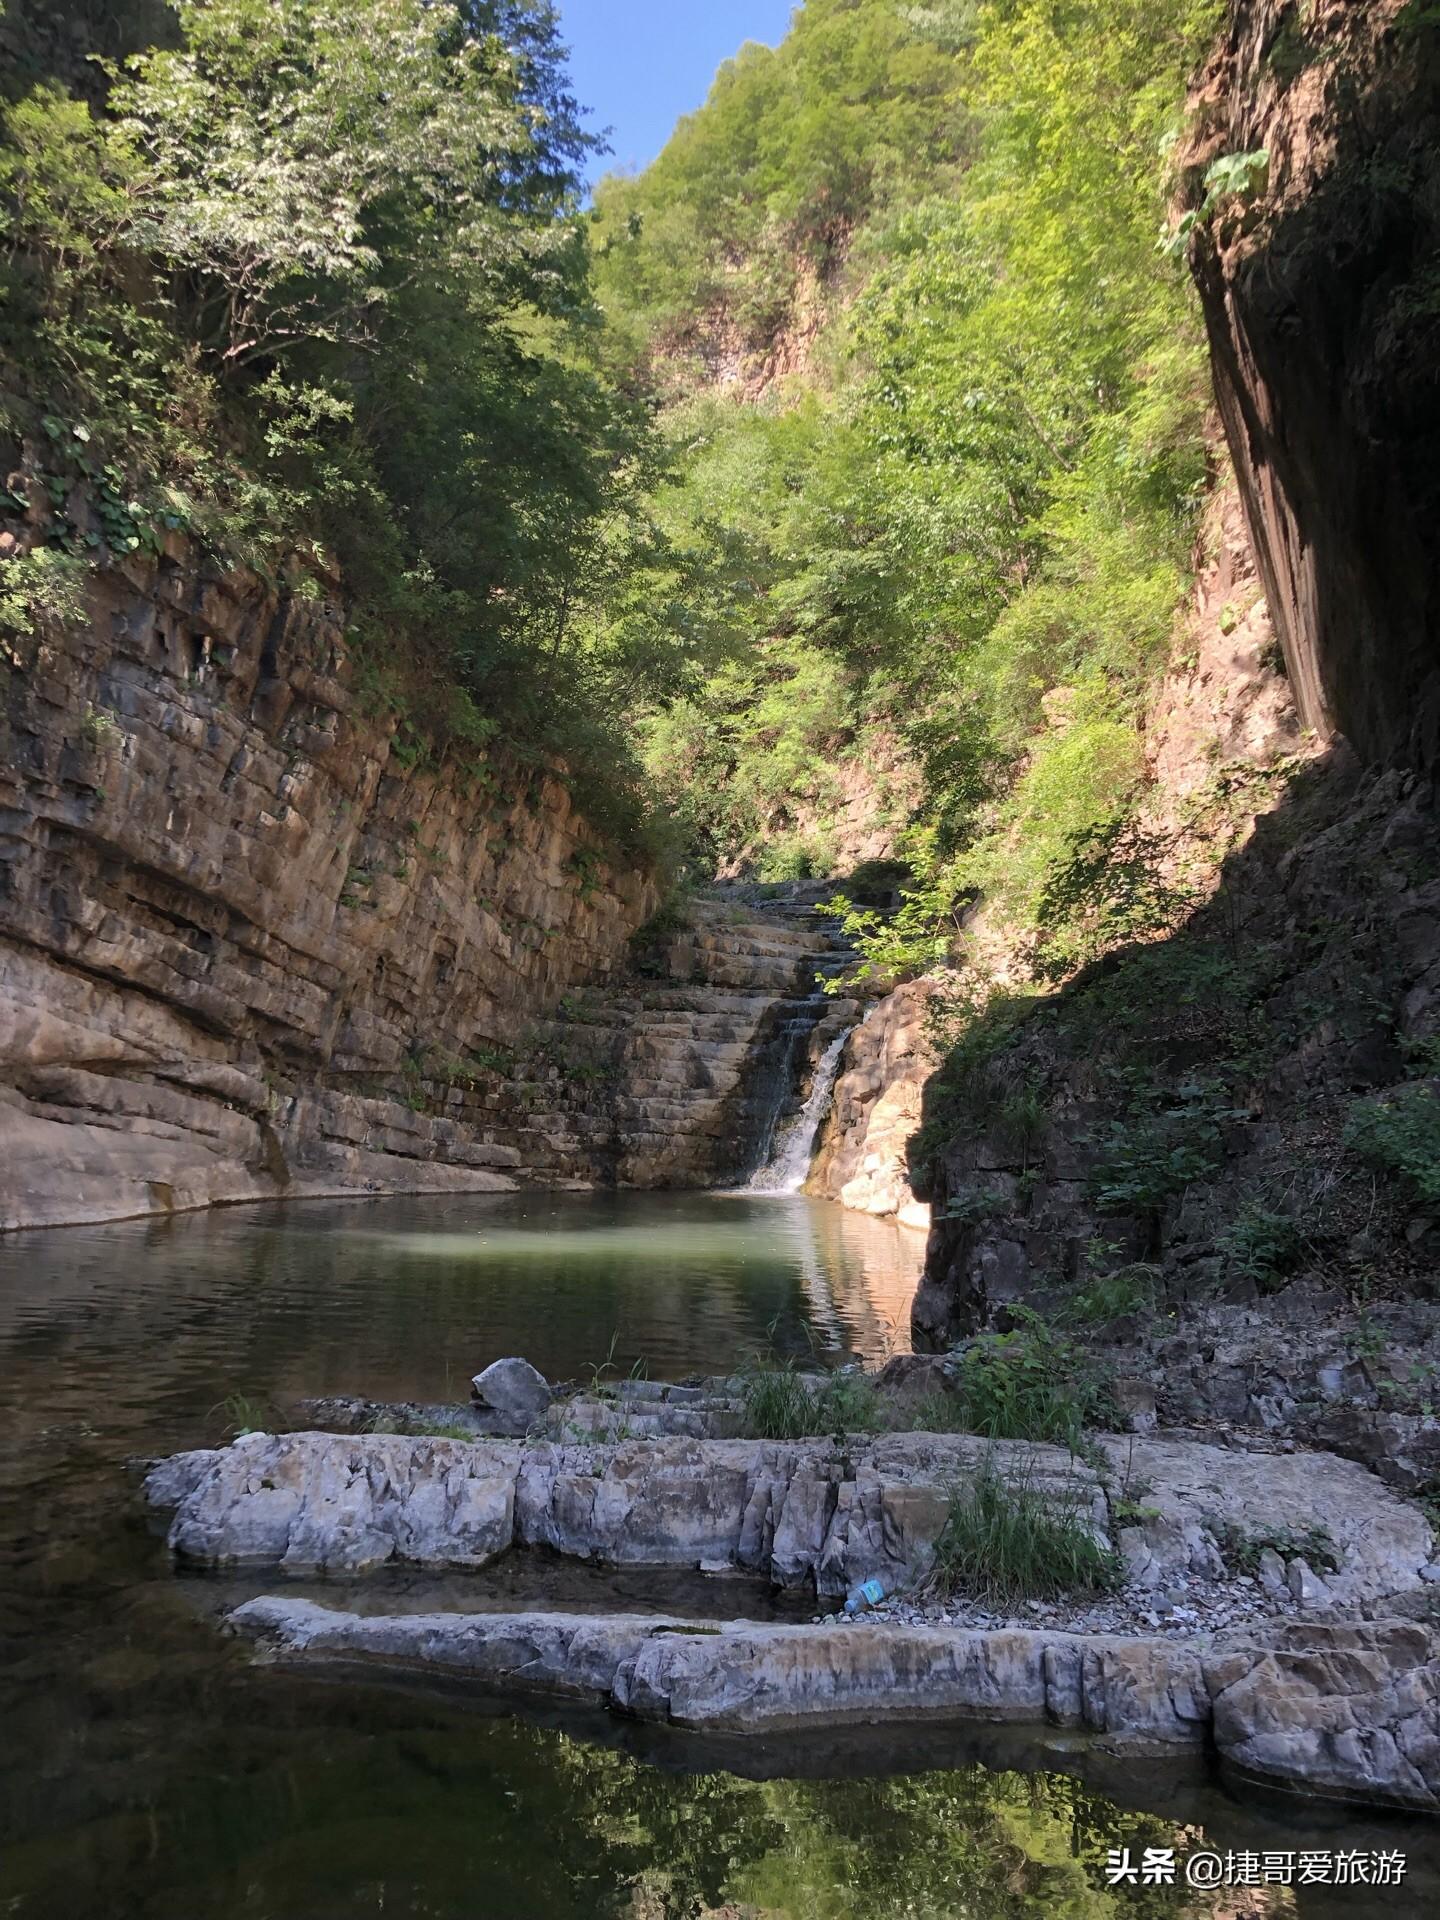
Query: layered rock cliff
{"points": [[1322, 300], [250, 946], [682, 1074], [240, 927], [862, 1157]]}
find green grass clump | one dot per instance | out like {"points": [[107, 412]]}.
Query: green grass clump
{"points": [[246, 1414], [1262, 1245], [1242, 1548], [1030, 1384], [1111, 1296], [939, 1413], [1005, 1541], [1401, 1133], [779, 1403]]}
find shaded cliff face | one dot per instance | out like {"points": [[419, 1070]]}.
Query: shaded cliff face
{"points": [[1322, 301], [1021, 1118], [236, 931], [1253, 1098]]}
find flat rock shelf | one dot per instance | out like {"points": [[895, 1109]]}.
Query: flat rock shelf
{"points": [[1321, 1681]]}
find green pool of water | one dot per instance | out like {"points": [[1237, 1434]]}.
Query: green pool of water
{"points": [[149, 1772]]}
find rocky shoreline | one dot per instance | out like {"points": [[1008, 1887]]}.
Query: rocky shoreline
{"points": [[1271, 1610]]}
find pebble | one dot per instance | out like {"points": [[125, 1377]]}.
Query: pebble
{"points": [[1209, 1607]]}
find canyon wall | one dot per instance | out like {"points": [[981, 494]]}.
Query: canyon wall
{"points": [[242, 941], [862, 1156], [1249, 1101], [1322, 299], [1012, 1155]]}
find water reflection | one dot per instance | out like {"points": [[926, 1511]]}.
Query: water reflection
{"points": [[405, 1298], [149, 1772], [254, 1795]]}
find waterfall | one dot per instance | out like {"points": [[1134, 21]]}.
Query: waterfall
{"points": [[787, 1164], [774, 1074]]}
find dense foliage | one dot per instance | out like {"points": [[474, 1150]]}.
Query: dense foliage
{"points": [[962, 521], [859, 438], [316, 276]]}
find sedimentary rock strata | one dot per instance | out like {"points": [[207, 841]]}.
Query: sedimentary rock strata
{"points": [[1321, 1701], [800, 1512]]}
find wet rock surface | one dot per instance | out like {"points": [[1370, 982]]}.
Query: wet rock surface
{"points": [[1275, 1603], [1337, 1711]]}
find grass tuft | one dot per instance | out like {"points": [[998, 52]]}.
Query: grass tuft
{"points": [[1030, 1384], [781, 1404], [1005, 1541], [245, 1414]]}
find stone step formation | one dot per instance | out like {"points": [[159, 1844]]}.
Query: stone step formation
{"points": [[680, 1080]]}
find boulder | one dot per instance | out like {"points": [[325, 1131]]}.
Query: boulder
{"points": [[328, 1503], [1342, 1710], [515, 1393]]}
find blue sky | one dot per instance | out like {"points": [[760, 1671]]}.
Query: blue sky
{"points": [[639, 64]]}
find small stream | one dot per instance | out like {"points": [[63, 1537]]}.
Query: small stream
{"points": [[149, 1771]]}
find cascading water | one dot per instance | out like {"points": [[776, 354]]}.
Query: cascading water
{"points": [[773, 1076], [787, 1164]]}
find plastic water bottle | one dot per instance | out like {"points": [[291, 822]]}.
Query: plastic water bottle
{"points": [[867, 1594]]}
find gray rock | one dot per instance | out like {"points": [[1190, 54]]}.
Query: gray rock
{"points": [[1431, 1573], [1381, 1541], [799, 1512], [1347, 1710], [1272, 1572], [1340, 1711], [514, 1391], [1135, 1401], [549, 1653], [744, 1677], [326, 1503], [168, 1482], [1305, 1585]]}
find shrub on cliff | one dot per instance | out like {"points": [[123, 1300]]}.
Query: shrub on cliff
{"points": [[1401, 1133], [1030, 1384], [317, 278]]}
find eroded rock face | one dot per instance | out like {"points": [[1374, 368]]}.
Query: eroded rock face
{"points": [[803, 1513], [243, 949], [247, 950], [743, 1677], [862, 1159], [1347, 1711], [320, 1503], [1321, 322], [1209, 1498], [1340, 1711], [1327, 1704]]}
